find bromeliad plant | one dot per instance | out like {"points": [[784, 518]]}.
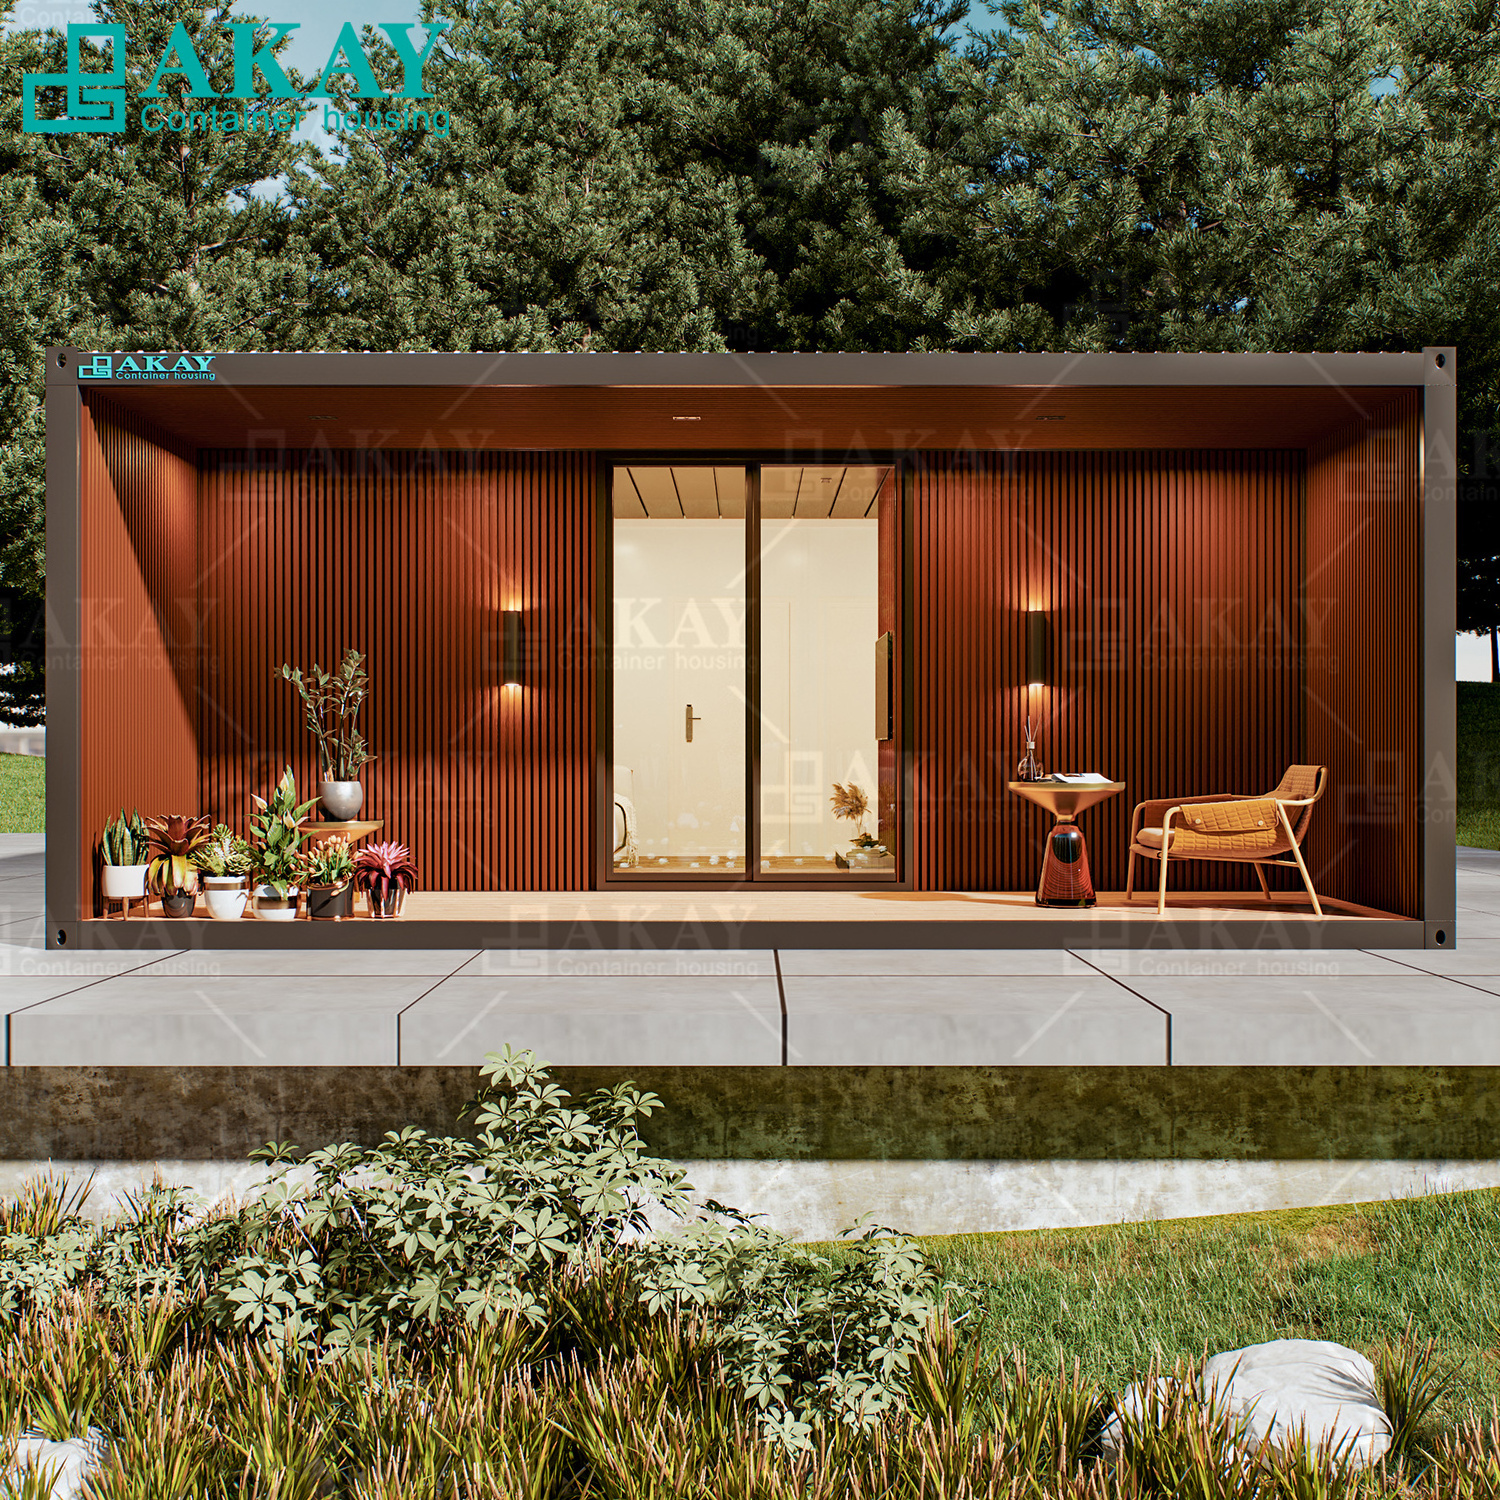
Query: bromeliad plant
{"points": [[332, 701], [276, 835], [175, 839], [225, 854], [126, 841], [329, 863], [380, 869]]}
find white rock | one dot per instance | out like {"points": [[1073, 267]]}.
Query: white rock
{"points": [[72, 1463], [1284, 1388], [1289, 1386]]}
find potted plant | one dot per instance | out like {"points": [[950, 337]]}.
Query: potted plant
{"points": [[326, 871], [332, 701], [276, 837], [385, 873], [174, 840], [223, 866], [852, 803], [125, 846]]}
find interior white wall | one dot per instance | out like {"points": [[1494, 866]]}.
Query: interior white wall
{"points": [[679, 623], [819, 609], [679, 638]]}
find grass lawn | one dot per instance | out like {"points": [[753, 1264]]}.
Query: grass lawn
{"points": [[23, 796], [1360, 1275], [1479, 764]]}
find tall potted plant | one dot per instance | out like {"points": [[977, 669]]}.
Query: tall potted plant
{"points": [[276, 837], [332, 701], [385, 873], [223, 866], [125, 847], [174, 840]]}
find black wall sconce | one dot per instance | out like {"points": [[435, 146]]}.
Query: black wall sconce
{"points": [[1038, 648], [512, 648]]}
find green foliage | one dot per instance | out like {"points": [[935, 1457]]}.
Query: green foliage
{"points": [[126, 841], [332, 701], [1479, 764], [276, 834], [175, 838], [225, 853]]}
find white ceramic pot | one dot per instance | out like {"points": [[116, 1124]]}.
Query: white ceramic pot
{"points": [[124, 882], [270, 907], [225, 896], [341, 800]]}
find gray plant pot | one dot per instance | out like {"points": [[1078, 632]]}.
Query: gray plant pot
{"points": [[341, 800]]}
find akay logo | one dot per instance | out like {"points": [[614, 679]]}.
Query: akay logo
{"points": [[96, 99], [147, 367]]}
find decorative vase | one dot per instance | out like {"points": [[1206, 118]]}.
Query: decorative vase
{"points": [[225, 896], [388, 905], [270, 907], [125, 882], [341, 800], [330, 903], [178, 903], [1030, 768]]}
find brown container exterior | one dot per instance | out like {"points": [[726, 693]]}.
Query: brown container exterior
{"points": [[1216, 615]]}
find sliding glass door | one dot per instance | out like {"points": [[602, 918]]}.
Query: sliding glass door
{"points": [[752, 614]]}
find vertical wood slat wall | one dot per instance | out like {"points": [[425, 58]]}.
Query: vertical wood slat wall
{"points": [[410, 557], [137, 634], [1364, 654], [1172, 580]]}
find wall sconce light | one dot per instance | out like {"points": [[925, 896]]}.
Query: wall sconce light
{"points": [[512, 648], [1038, 647]]}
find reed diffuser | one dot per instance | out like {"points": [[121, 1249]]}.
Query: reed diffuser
{"points": [[1030, 768]]}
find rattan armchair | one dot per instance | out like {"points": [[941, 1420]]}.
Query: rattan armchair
{"points": [[1248, 830]]}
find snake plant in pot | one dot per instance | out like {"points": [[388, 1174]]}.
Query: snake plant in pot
{"points": [[332, 701], [385, 873], [125, 848], [174, 840], [223, 866], [276, 838], [326, 871]]}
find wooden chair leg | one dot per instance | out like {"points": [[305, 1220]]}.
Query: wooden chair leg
{"points": [[1260, 875], [1297, 855], [1130, 877], [1161, 890]]}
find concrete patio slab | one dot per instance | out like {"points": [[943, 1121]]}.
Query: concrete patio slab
{"points": [[1482, 956], [187, 1021], [612, 962], [1418, 1020], [844, 962], [614, 1020], [932, 1021], [1202, 963], [351, 963]]}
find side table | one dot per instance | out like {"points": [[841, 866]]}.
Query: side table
{"points": [[1065, 867]]}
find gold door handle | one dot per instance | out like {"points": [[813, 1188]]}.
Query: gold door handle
{"points": [[691, 719]]}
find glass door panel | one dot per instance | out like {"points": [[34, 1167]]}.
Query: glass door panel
{"points": [[826, 765], [679, 658]]}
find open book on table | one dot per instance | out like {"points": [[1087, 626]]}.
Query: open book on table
{"points": [[1082, 778]]}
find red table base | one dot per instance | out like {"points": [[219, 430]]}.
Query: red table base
{"points": [[1065, 869]]}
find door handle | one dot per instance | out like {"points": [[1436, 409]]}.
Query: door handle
{"points": [[691, 719]]}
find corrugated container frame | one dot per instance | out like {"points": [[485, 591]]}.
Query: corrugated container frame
{"points": [[1217, 615]]}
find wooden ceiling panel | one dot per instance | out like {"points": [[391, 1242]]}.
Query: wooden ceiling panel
{"points": [[697, 493], [730, 485], [657, 492], [837, 422]]}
